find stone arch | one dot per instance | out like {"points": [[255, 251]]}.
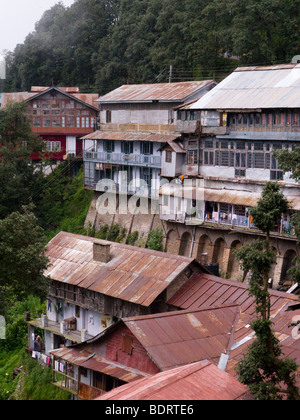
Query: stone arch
{"points": [[172, 242], [288, 262], [185, 244], [203, 247], [218, 253], [234, 271]]}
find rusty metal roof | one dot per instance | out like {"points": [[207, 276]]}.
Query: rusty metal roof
{"points": [[162, 92], [86, 98], [72, 355], [245, 198], [198, 381], [182, 337], [90, 361], [130, 136], [255, 88], [206, 290], [37, 89], [133, 274], [7, 98]]}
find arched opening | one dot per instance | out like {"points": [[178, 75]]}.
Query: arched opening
{"points": [[172, 242], [185, 244], [234, 271], [203, 248], [288, 262], [218, 254]]}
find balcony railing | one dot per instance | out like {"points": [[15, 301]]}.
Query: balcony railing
{"points": [[285, 227], [123, 159]]}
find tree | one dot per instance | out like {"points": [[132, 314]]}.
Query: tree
{"points": [[263, 368], [22, 257], [20, 181], [289, 162]]}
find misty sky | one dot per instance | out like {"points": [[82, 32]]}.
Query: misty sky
{"points": [[18, 17]]}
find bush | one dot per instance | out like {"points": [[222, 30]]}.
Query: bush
{"points": [[155, 240]]}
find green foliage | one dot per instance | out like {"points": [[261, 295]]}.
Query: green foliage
{"points": [[22, 257], [37, 384], [263, 369], [100, 45], [132, 238], [7, 366], [19, 180], [155, 240], [64, 203], [270, 208], [113, 233]]}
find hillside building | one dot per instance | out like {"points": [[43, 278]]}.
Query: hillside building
{"points": [[94, 283], [60, 116]]}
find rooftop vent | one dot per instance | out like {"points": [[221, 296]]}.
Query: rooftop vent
{"points": [[101, 251]]}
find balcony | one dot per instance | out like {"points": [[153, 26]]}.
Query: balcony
{"points": [[123, 159], [75, 336]]}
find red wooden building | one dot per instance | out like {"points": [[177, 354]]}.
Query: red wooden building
{"points": [[61, 116]]}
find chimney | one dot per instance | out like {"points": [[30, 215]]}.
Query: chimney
{"points": [[101, 251]]}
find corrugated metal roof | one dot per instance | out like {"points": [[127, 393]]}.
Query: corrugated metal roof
{"points": [[178, 338], [163, 92], [37, 89], [243, 198], [90, 361], [86, 98], [133, 274], [7, 98], [206, 290], [255, 88], [198, 381], [130, 136], [72, 355], [203, 291]]}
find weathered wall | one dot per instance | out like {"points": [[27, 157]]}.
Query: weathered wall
{"points": [[210, 244]]}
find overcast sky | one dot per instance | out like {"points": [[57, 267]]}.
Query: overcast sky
{"points": [[18, 17]]}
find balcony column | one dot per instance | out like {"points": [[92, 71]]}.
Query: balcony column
{"points": [[226, 259], [278, 271]]}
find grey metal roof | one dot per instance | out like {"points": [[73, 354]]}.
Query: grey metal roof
{"points": [[162, 92], [255, 88]]}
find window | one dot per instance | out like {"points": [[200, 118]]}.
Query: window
{"points": [[82, 122], [208, 158], [55, 121], [224, 158], [192, 157], [127, 147], [52, 146], [78, 122], [258, 119], [127, 344], [70, 105], [209, 144], [168, 156], [108, 117], [171, 117], [36, 121], [70, 122], [108, 146], [146, 148], [46, 121]]}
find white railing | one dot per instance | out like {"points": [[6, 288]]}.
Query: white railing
{"points": [[122, 158]]}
